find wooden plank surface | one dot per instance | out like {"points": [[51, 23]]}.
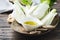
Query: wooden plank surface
{"points": [[6, 33]]}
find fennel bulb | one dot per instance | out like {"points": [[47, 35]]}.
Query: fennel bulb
{"points": [[40, 10], [47, 20]]}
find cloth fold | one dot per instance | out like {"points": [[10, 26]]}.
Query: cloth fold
{"points": [[5, 5]]}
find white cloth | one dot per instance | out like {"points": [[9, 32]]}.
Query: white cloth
{"points": [[5, 5]]}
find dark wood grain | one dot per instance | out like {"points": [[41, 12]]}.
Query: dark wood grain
{"points": [[6, 33]]}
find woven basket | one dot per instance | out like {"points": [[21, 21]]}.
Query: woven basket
{"points": [[39, 31]]}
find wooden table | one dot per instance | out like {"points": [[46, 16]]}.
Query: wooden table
{"points": [[6, 33]]}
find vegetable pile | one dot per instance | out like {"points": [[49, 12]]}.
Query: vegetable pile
{"points": [[32, 14]]}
